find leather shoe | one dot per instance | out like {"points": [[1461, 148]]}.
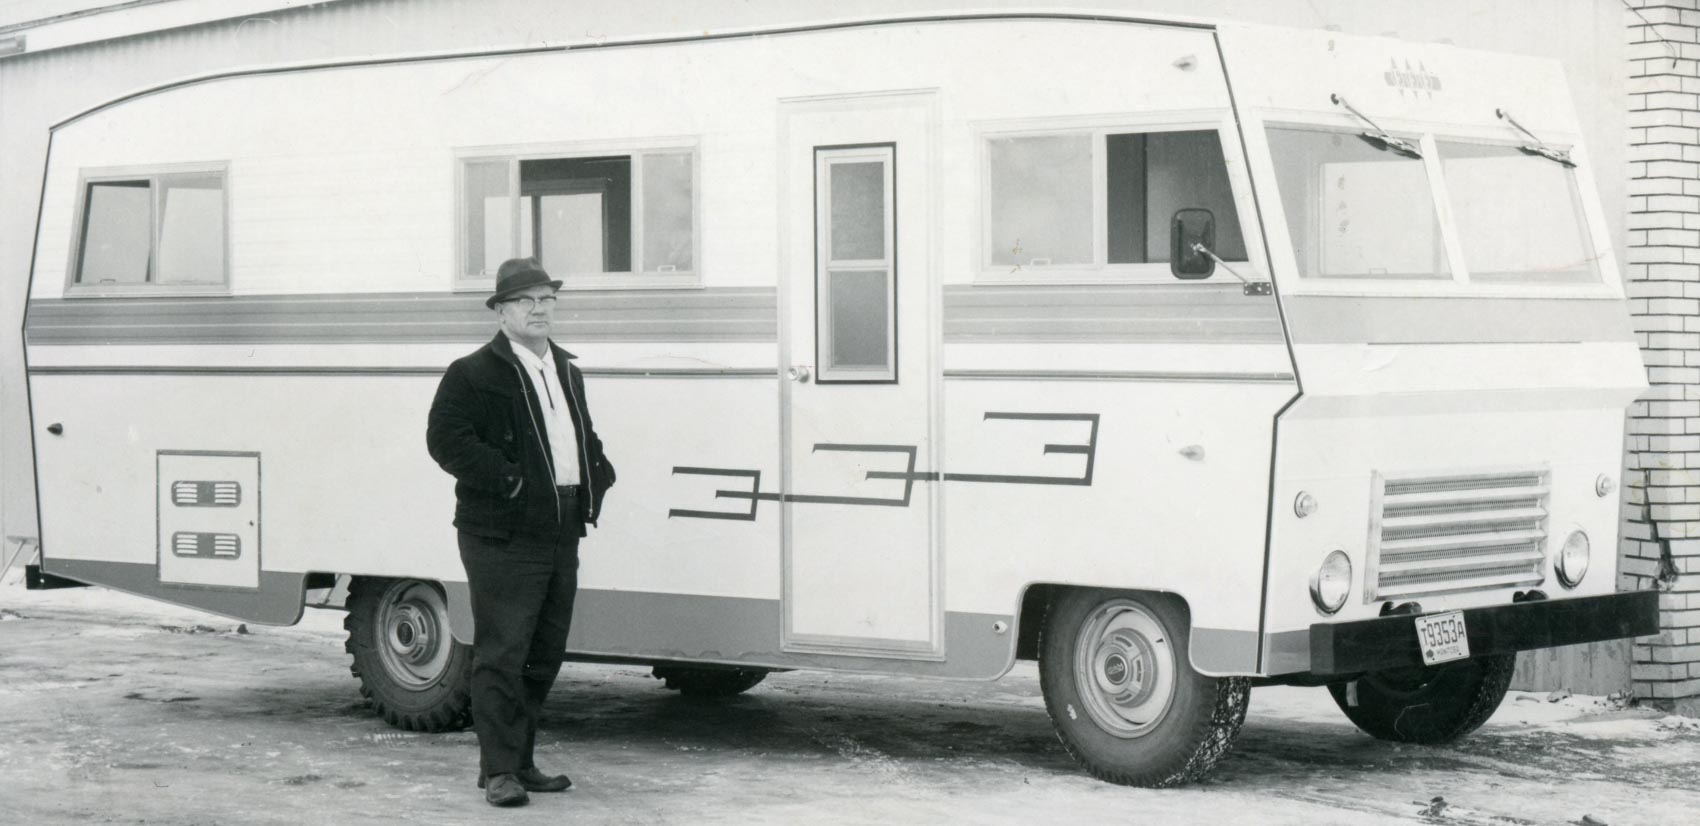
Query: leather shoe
{"points": [[533, 780], [536, 781], [505, 790]]}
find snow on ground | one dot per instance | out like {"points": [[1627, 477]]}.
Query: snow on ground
{"points": [[115, 708]]}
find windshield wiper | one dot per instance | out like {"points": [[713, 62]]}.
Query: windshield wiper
{"points": [[1538, 148], [1379, 138]]}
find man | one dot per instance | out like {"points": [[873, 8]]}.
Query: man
{"points": [[510, 423]]}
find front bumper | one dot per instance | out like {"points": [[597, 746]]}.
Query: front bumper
{"points": [[1346, 648]]}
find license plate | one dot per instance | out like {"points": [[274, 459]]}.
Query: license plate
{"points": [[1442, 638]]}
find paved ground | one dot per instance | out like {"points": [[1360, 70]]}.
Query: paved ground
{"points": [[120, 710]]}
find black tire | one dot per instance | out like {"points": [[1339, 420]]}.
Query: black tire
{"points": [[1123, 696], [706, 682], [410, 667], [1436, 704]]}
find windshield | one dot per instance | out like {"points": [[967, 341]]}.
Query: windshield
{"points": [[1518, 216], [1359, 210], [1356, 210]]}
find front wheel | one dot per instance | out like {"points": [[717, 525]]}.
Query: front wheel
{"points": [[1434, 704], [1122, 693], [409, 665]]}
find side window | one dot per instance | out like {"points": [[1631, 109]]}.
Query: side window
{"points": [[1100, 201], [165, 229], [601, 219]]}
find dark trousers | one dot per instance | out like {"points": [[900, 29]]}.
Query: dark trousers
{"points": [[522, 606]]}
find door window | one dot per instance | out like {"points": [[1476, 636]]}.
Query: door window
{"points": [[855, 271]]}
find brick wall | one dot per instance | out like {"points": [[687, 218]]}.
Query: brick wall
{"points": [[1661, 546]]}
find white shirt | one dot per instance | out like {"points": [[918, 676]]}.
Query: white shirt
{"points": [[557, 418]]}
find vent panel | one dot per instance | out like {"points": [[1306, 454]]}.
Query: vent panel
{"points": [[1457, 533], [199, 494], [206, 545]]}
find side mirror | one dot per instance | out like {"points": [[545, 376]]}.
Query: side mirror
{"points": [[1189, 229]]}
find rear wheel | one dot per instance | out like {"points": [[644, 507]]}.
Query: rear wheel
{"points": [[1434, 704], [1123, 696], [409, 665], [698, 681]]}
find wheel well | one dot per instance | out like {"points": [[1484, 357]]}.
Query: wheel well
{"points": [[1036, 601], [326, 589]]}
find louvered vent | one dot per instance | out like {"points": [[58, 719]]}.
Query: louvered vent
{"points": [[190, 494], [1451, 534], [206, 545]]}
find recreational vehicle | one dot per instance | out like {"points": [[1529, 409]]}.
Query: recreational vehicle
{"points": [[1179, 357]]}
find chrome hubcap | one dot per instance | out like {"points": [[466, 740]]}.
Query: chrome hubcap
{"points": [[1125, 668], [413, 619]]}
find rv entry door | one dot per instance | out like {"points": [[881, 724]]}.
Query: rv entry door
{"points": [[858, 339]]}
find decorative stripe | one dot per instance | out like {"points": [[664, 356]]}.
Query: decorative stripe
{"points": [[630, 624], [277, 601], [719, 314], [660, 626], [127, 370], [1104, 375], [1219, 651], [1286, 652], [684, 372], [604, 372], [747, 631], [1144, 313], [1455, 320], [664, 373]]}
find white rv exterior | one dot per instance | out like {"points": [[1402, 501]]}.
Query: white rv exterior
{"points": [[880, 327]]}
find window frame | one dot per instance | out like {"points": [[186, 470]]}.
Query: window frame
{"points": [[1439, 203], [156, 176], [827, 371], [1100, 271], [1578, 195], [634, 151], [1609, 285]]}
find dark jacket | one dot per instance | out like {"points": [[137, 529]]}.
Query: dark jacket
{"points": [[485, 430]]}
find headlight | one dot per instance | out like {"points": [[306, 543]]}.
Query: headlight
{"points": [[1572, 563], [1331, 583]]}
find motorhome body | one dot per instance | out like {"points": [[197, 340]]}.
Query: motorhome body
{"points": [[882, 326]]}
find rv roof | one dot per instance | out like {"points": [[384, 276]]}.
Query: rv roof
{"points": [[1275, 69]]}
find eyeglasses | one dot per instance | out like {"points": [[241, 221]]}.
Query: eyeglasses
{"points": [[527, 303]]}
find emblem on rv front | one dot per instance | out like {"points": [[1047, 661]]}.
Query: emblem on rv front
{"points": [[1414, 80]]}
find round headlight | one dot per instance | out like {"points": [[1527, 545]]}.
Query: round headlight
{"points": [[1572, 563], [1332, 582]]}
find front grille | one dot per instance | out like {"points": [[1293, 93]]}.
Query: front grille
{"points": [[1457, 533]]}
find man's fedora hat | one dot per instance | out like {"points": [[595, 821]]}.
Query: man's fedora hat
{"points": [[517, 274]]}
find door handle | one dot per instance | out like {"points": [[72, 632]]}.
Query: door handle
{"points": [[799, 373]]}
